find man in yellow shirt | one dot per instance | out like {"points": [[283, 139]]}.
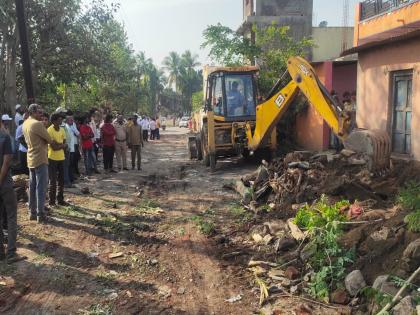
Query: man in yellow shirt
{"points": [[56, 159], [37, 139]]}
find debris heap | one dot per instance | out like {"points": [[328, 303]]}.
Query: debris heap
{"points": [[302, 177]]}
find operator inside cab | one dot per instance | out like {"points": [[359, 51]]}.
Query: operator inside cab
{"points": [[235, 101]]}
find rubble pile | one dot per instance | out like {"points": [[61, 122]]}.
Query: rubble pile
{"points": [[374, 229], [303, 177], [20, 185]]}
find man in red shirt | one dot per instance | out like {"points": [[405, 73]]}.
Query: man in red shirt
{"points": [[108, 143], [86, 134]]}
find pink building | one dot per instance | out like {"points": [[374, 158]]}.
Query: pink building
{"points": [[387, 40], [312, 132]]}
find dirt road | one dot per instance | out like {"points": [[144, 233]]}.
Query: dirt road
{"points": [[137, 244]]}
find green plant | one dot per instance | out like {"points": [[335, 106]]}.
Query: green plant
{"points": [[319, 214], [409, 196], [376, 296], [413, 221], [71, 211], [98, 309], [240, 212], [329, 262], [147, 205], [205, 226]]}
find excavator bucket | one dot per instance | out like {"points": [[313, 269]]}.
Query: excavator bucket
{"points": [[376, 144]]}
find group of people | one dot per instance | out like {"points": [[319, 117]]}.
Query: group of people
{"points": [[50, 149]]}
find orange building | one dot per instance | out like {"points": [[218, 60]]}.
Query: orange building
{"points": [[387, 40]]}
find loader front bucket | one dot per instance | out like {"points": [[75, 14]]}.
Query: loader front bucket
{"points": [[376, 144]]}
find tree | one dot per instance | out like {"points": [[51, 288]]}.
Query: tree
{"points": [[272, 47], [228, 47], [183, 75], [172, 65]]}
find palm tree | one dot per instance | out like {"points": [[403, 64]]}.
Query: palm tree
{"points": [[189, 60], [172, 65], [190, 79]]}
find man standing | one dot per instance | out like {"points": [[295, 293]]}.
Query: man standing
{"points": [[56, 157], [37, 139], [158, 124], [153, 127], [121, 142], [73, 146], [135, 142], [8, 200], [145, 128], [68, 180], [20, 110], [23, 147], [108, 143], [87, 137]]}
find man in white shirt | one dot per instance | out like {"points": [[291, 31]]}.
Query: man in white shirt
{"points": [[22, 146], [20, 110], [73, 138], [152, 125], [145, 127]]}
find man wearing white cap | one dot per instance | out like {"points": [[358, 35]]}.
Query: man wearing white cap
{"points": [[20, 110]]}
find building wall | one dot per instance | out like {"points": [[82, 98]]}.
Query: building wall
{"points": [[329, 42], [374, 94], [402, 19], [344, 78], [248, 8], [294, 13], [284, 7], [311, 130]]}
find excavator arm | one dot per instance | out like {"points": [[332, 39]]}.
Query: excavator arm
{"points": [[376, 144]]}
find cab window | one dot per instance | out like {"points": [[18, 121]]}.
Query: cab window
{"points": [[240, 95], [218, 106]]}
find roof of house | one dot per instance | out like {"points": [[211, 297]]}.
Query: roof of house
{"points": [[385, 38]]}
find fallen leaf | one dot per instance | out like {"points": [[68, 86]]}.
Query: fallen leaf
{"points": [[116, 255]]}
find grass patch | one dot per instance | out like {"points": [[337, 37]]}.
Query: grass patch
{"points": [[413, 221], [147, 205], [205, 225], [42, 256], [409, 196], [70, 211], [97, 309], [240, 213], [105, 277]]}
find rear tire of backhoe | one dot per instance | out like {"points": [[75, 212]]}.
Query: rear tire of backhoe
{"points": [[199, 148], [212, 162], [206, 160]]}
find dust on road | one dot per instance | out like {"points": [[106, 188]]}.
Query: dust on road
{"points": [[137, 244]]}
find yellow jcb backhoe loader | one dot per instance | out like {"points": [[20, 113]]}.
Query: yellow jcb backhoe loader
{"points": [[259, 131]]}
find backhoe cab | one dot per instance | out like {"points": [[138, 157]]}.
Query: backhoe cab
{"points": [[229, 105]]}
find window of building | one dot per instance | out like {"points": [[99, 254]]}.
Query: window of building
{"points": [[402, 108]]}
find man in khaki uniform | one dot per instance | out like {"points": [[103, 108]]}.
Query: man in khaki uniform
{"points": [[135, 141], [121, 142]]}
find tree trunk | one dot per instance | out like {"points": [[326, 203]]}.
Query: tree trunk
{"points": [[2, 66], [10, 80]]}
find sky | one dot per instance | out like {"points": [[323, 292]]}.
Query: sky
{"points": [[160, 26]]}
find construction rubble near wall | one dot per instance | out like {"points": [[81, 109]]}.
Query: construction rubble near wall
{"points": [[375, 230], [179, 239]]}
